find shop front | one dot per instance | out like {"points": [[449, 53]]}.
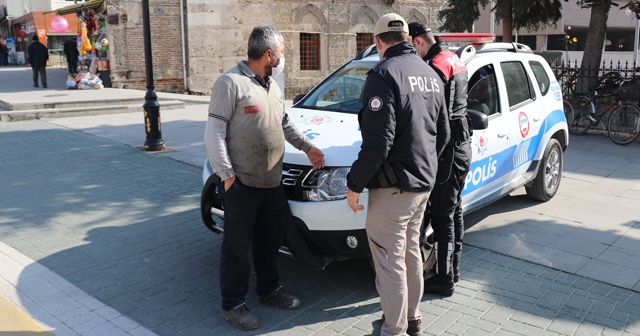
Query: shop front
{"points": [[38, 23], [87, 23]]}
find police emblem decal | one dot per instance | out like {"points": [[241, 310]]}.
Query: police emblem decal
{"points": [[375, 103]]}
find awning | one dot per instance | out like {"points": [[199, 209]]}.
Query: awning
{"points": [[97, 5]]}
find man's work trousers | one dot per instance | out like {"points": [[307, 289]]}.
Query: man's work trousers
{"points": [[393, 225], [444, 211], [254, 220], [42, 70]]}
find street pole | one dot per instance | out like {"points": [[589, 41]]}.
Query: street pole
{"points": [[152, 124], [635, 44]]}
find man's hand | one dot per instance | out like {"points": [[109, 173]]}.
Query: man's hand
{"points": [[228, 182], [316, 157], [352, 201]]}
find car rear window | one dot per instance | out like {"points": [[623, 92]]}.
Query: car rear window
{"points": [[541, 76]]}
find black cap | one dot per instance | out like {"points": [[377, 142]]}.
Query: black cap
{"points": [[417, 29]]}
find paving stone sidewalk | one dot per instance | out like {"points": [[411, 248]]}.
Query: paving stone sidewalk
{"points": [[122, 226]]}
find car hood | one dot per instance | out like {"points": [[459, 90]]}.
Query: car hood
{"points": [[336, 134]]}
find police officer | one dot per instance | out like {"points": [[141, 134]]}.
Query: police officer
{"points": [[404, 127], [444, 211]]}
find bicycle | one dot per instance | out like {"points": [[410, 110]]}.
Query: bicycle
{"points": [[623, 124], [569, 113]]}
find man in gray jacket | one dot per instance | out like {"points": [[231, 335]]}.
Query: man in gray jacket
{"points": [[245, 137]]}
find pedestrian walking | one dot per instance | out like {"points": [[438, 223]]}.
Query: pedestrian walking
{"points": [[37, 56], [70, 49], [444, 212], [245, 137], [404, 127]]}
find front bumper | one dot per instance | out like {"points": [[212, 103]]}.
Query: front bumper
{"points": [[332, 245]]}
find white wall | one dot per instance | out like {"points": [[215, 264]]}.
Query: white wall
{"points": [[17, 8], [57, 4]]}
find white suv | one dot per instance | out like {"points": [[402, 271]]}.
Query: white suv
{"points": [[520, 133]]}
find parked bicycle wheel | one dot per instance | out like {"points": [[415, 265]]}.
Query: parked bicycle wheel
{"points": [[583, 110], [569, 114], [624, 124]]}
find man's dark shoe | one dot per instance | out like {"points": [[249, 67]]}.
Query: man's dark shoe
{"points": [[280, 299], [35, 85], [439, 286], [241, 318], [414, 328], [44, 86]]}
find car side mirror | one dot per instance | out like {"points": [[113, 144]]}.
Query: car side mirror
{"points": [[299, 97], [479, 120]]}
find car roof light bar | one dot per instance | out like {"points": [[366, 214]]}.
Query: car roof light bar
{"points": [[474, 38]]}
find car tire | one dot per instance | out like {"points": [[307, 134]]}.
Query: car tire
{"points": [[547, 181], [208, 201], [428, 255]]}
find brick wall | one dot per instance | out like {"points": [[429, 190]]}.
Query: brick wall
{"points": [[127, 44]]}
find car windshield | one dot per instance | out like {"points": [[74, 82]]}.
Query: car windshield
{"points": [[340, 92]]}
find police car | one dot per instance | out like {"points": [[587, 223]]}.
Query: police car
{"points": [[520, 134]]}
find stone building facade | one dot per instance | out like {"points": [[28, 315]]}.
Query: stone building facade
{"points": [[216, 33]]}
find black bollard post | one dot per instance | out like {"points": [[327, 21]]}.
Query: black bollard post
{"points": [[152, 123]]}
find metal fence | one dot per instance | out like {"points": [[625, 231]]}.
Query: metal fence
{"points": [[607, 80]]}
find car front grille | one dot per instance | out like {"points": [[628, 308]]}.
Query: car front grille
{"points": [[292, 176]]}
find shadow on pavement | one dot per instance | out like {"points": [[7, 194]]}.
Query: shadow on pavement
{"points": [[124, 226]]}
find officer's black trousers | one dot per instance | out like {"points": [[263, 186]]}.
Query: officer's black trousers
{"points": [[254, 220], [444, 211]]}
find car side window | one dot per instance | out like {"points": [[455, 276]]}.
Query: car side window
{"points": [[518, 88], [483, 91], [541, 76]]}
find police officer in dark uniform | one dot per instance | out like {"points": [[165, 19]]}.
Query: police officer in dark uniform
{"points": [[404, 126], [444, 211]]}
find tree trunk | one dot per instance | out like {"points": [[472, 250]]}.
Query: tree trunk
{"points": [[593, 48], [507, 22]]}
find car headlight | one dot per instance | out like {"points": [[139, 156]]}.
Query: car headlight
{"points": [[325, 185]]}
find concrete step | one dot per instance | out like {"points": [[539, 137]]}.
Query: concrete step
{"points": [[62, 104], [108, 108]]}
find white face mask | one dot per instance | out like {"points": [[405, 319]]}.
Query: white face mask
{"points": [[279, 68]]}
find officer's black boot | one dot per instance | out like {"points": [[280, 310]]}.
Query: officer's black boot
{"points": [[456, 268], [456, 263], [441, 283]]}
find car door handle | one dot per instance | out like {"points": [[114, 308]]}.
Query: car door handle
{"points": [[502, 136]]}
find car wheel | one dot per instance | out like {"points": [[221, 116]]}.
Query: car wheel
{"points": [[547, 180], [209, 201], [428, 254]]}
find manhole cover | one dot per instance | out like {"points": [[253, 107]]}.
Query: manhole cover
{"points": [[57, 95]]}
